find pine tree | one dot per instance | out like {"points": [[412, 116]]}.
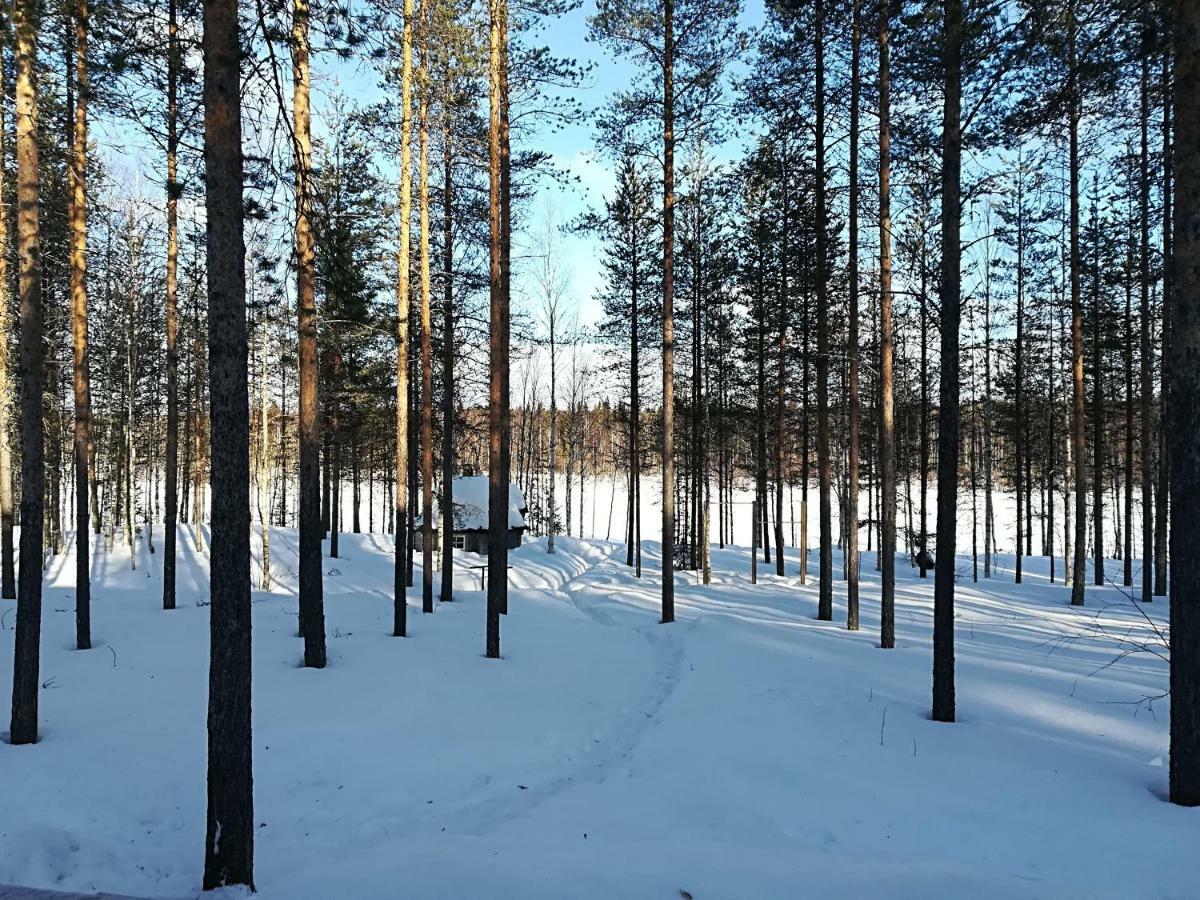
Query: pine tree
{"points": [[229, 843], [24, 726]]}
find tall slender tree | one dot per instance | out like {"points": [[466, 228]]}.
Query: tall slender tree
{"points": [[311, 599], [887, 451], [852, 464], [498, 425], [1146, 321], [426, 315], [229, 842], [948, 418], [171, 488], [77, 215], [824, 462], [8, 574], [1183, 399], [1078, 445], [401, 573], [668, 314], [447, 588], [26, 656]]}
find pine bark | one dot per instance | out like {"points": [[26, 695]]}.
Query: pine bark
{"points": [[401, 577], [948, 417], [77, 216], [1019, 372], [311, 596], [1097, 411], [26, 647], [887, 443], [824, 469], [229, 844], [1162, 496], [1078, 444], [498, 476], [1146, 324], [781, 371], [668, 314], [1183, 399], [447, 588], [426, 338], [852, 562], [8, 574], [171, 516]]}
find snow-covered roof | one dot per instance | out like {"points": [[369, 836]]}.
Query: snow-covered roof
{"points": [[471, 505]]}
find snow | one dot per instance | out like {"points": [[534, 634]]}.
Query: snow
{"points": [[748, 750], [471, 505]]}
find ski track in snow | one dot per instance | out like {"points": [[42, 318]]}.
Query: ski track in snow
{"points": [[612, 743]]}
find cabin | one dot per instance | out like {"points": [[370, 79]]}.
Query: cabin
{"points": [[471, 516]]}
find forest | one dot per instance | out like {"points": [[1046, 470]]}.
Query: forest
{"points": [[325, 321]]}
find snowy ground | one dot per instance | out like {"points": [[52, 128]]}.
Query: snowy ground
{"points": [[746, 751]]}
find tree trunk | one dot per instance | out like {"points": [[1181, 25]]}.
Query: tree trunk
{"points": [[265, 463], [887, 443], [1147, 324], [1097, 405], [668, 314], [426, 337], [447, 591], [229, 845], [170, 520], [986, 436], [553, 455], [77, 216], [1079, 447], [825, 594], [852, 464], [948, 416], [400, 578], [761, 455], [1183, 399], [1163, 495], [1018, 368], [1127, 547], [311, 597], [26, 647], [498, 424], [8, 575]]}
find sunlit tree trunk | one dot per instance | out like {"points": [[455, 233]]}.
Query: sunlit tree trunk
{"points": [[77, 216], [26, 646], [8, 575], [498, 425], [171, 518], [400, 578], [311, 596], [426, 320], [447, 591]]}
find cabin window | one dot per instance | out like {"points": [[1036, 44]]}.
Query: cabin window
{"points": [[460, 542]]}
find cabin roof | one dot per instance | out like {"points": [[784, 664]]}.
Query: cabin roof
{"points": [[471, 505]]}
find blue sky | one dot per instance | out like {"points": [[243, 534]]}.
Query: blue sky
{"points": [[137, 164]]}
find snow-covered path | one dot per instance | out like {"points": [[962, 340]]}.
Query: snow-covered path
{"points": [[748, 750]]}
